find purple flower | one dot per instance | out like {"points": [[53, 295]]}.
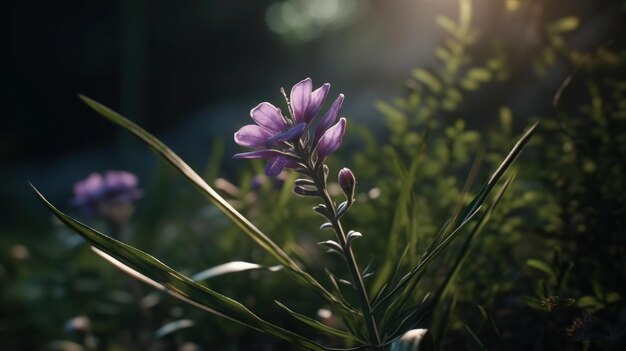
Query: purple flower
{"points": [[115, 187], [274, 136]]}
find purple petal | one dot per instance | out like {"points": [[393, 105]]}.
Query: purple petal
{"points": [[252, 136], [94, 182], [268, 116], [291, 134], [332, 139], [89, 189], [329, 118], [120, 180], [276, 165], [318, 97], [300, 98], [266, 154]]}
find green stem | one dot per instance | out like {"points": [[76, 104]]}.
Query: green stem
{"points": [[353, 267]]}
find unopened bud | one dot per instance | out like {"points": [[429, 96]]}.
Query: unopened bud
{"points": [[347, 182]]}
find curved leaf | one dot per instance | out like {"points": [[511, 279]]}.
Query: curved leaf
{"points": [[465, 216], [152, 271], [173, 326], [320, 326], [242, 222], [231, 267]]}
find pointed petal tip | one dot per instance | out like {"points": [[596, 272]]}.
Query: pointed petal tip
{"points": [[300, 97], [332, 139], [329, 117]]}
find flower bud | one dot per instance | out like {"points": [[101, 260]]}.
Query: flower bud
{"points": [[347, 182]]}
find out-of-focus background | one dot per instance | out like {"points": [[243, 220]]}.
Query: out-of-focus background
{"points": [[189, 72]]}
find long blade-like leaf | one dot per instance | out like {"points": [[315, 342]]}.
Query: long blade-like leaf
{"points": [[320, 326], [466, 215], [400, 217], [152, 271], [242, 222], [231, 267], [478, 226], [495, 177], [172, 327], [465, 248]]}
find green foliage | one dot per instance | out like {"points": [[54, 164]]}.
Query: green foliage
{"points": [[540, 251], [537, 208], [391, 299]]}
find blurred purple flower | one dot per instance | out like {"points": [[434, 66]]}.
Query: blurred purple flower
{"points": [[115, 187], [272, 129]]}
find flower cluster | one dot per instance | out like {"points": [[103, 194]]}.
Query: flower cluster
{"points": [[276, 137], [99, 195], [114, 186]]}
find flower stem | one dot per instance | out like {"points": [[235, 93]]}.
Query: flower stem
{"points": [[353, 267]]}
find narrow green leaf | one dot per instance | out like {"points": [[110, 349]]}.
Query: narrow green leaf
{"points": [[173, 326], [152, 271], [215, 159], [565, 24], [542, 266], [587, 301], [532, 302], [495, 177], [448, 24], [465, 248], [475, 338], [397, 120], [243, 223], [465, 15], [469, 84], [466, 214], [479, 74], [612, 297], [396, 162], [506, 119], [320, 326], [231, 267], [422, 264], [428, 79], [401, 214], [459, 259]]}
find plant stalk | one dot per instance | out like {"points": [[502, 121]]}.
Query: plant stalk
{"points": [[353, 267]]}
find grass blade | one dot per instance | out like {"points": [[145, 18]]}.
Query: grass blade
{"points": [[231, 267], [243, 223], [152, 271], [320, 326], [466, 215], [172, 327]]}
